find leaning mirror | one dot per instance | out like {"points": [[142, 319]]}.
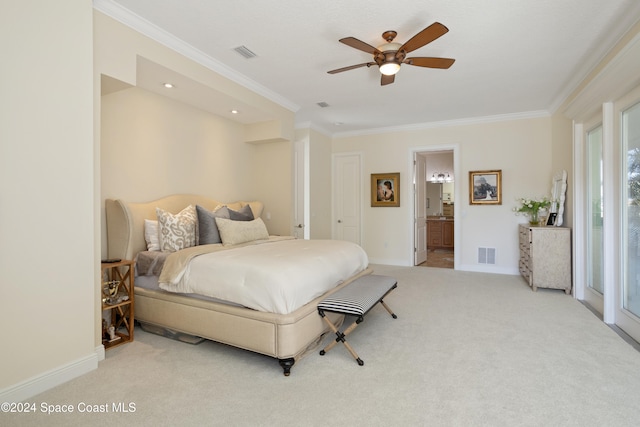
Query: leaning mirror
{"points": [[558, 192]]}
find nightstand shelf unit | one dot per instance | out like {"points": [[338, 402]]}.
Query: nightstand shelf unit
{"points": [[117, 302]]}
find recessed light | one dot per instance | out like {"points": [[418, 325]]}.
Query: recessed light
{"points": [[338, 123], [168, 85], [234, 111]]}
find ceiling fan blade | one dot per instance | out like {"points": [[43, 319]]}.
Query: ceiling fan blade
{"points": [[425, 36], [430, 62], [351, 67], [360, 45], [387, 80]]}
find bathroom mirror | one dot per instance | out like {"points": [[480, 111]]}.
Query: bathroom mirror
{"points": [[558, 192]]}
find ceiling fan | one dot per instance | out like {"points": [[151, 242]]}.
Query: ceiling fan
{"points": [[389, 56]]}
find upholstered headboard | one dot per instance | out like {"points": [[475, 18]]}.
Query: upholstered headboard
{"points": [[125, 221]]}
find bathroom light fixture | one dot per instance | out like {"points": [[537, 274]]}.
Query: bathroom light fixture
{"points": [[441, 177]]}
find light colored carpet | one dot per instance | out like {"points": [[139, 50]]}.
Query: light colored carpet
{"points": [[467, 349]]}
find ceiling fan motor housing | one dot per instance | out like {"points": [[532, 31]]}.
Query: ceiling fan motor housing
{"points": [[389, 53]]}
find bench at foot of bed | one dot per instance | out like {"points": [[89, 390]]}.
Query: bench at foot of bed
{"points": [[356, 299]]}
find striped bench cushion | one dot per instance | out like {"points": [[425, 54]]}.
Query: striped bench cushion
{"points": [[358, 296]]}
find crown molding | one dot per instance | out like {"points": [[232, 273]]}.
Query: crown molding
{"points": [[597, 55], [613, 81], [143, 26], [447, 123]]}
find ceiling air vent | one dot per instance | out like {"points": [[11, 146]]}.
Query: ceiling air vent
{"points": [[244, 51], [323, 104]]}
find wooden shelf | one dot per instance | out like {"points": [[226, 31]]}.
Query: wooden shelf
{"points": [[121, 314]]}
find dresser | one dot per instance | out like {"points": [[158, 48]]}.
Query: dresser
{"points": [[545, 257]]}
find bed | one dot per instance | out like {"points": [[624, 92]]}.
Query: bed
{"points": [[284, 335]]}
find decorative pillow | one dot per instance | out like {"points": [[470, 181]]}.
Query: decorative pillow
{"points": [[244, 214], [177, 231], [236, 232], [207, 229], [151, 235]]}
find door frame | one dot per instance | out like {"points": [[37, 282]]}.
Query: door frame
{"points": [[419, 256], [461, 184]]}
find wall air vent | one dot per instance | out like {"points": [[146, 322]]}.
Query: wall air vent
{"points": [[244, 51], [322, 104], [486, 255]]}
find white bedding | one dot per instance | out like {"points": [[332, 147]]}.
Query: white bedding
{"points": [[275, 277]]}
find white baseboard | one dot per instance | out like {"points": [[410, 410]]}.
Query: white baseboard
{"points": [[394, 262], [489, 269], [41, 383], [100, 352]]}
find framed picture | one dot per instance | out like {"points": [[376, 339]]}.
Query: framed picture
{"points": [[385, 189], [485, 187]]}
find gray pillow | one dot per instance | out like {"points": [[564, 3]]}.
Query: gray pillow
{"points": [[244, 214], [208, 229]]}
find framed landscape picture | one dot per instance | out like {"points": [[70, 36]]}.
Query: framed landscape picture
{"points": [[385, 189], [485, 187]]}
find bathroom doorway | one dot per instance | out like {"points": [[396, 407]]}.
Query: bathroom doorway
{"points": [[440, 209]]}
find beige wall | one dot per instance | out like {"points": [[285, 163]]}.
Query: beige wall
{"points": [[152, 146], [47, 251], [271, 182], [521, 148], [320, 185]]}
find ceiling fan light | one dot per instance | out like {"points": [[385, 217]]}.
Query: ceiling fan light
{"points": [[389, 68]]}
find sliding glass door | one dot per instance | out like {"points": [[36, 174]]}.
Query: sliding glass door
{"points": [[630, 293], [594, 219]]}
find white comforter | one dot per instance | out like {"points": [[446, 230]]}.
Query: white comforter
{"points": [[275, 277]]}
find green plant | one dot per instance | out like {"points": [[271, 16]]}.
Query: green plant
{"points": [[532, 207]]}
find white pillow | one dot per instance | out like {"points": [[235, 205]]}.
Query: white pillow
{"points": [[151, 235], [177, 231], [236, 232]]}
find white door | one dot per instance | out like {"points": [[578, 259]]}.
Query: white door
{"points": [[347, 198], [420, 203], [301, 193]]}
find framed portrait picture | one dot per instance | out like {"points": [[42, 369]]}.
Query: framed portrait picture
{"points": [[385, 189], [485, 187]]}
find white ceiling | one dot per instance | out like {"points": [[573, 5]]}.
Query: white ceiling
{"points": [[513, 57]]}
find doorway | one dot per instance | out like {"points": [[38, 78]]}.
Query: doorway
{"points": [[434, 207]]}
